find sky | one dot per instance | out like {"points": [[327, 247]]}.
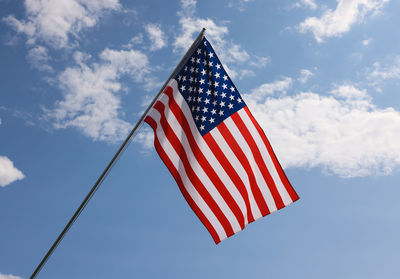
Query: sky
{"points": [[321, 78]]}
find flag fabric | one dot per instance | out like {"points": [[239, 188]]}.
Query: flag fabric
{"points": [[214, 148]]}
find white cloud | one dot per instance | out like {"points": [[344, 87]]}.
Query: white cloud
{"points": [[366, 42], [334, 23], [349, 92], [391, 71], [9, 276], [306, 3], [91, 102], [305, 75], [156, 36], [345, 134], [260, 62], [39, 58], [55, 22], [8, 174], [192, 25], [268, 89]]}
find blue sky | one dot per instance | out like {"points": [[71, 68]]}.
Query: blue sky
{"points": [[321, 77]]}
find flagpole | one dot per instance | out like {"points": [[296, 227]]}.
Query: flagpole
{"points": [[113, 160]]}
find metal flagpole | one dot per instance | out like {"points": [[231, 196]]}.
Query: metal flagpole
{"points": [[113, 160]]}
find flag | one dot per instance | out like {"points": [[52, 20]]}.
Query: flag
{"points": [[214, 148]]}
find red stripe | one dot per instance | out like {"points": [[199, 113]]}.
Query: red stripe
{"points": [[292, 193], [164, 157], [259, 160], [176, 144], [231, 172], [208, 169], [246, 165]]}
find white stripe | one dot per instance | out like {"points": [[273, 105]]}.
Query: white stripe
{"points": [[267, 159], [195, 165], [262, 184], [238, 168], [196, 197], [206, 151]]}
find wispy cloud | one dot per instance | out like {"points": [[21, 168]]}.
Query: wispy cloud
{"points": [[156, 36], [306, 3], [305, 75], [8, 174], [268, 89], [56, 22], [39, 58], [334, 23]]}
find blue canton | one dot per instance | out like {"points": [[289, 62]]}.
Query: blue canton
{"points": [[211, 95]]}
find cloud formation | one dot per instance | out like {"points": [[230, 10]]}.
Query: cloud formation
{"points": [[157, 36], [8, 174], [334, 23], [9, 276], [343, 133], [91, 102], [55, 22]]}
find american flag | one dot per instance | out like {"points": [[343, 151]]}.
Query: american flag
{"points": [[215, 149]]}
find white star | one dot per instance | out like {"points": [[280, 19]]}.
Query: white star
{"points": [[222, 104], [191, 69], [198, 61], [216, 84], [221, 112], [211, 54], [191, 79], [231, 97], [213, 112], [225, 77], [205, 43], [202, 81], [179, 78], [216, 75], [210, 74], [200, 90], [230, 106], [184, 78], [215, 93], [190, 98], [198, 51], [190, 89], [198, 109], [185, 68], [205, 110], [204, 62], [214, 102], [209, 83], [206, 101], [198, 99], [232, 89], [202, 127], [203, 118], [239, 100], [212, 120], [218, 66], [203, 72], [182, 88], [210, 63], [208, 92], [223, 94], [192, 60], [192, 108], [224, 86], [197, 118]]}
